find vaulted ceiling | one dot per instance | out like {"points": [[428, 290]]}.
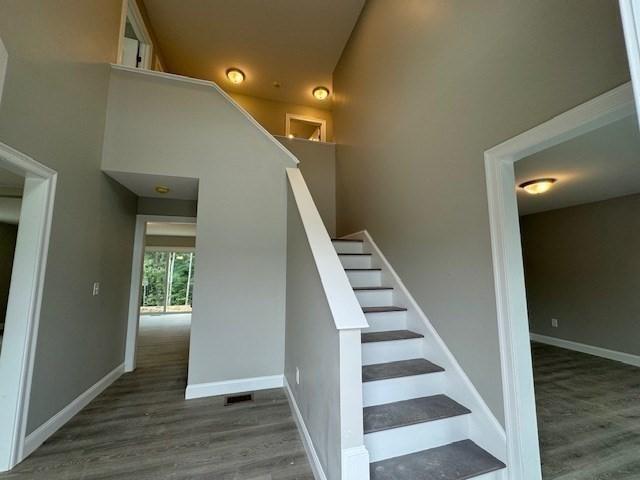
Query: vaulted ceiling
{"points": [[293, 43]]}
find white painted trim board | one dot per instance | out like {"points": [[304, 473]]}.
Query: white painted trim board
{"points": [[51, 426], [523, 455], [314, 460], [226, 387], [17, 356], [622, 357]]}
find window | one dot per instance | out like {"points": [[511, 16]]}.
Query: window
{"points": [[167, 282]]}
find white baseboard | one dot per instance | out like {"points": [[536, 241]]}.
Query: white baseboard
{"points": [[44, 431], [314, 460], [200, 390], [627, 358]]}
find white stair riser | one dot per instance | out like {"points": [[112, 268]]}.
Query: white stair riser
{"points": [[414, 438], [348, 247], [382, 352], [365, 278], [403, 388], [355, 261], [383, 322], [499, 475], [375, 298]]}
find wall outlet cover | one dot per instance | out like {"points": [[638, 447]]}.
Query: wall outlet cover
{"points": [[554, 322], [297, 376], [96, 288]]}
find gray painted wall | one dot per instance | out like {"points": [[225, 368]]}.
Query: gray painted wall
{"points": [[313, 345], [169, 241], [53, 109], [421, 92], [582, 266], [237, 328], [318, 167], [8, 233], [167, 206]]}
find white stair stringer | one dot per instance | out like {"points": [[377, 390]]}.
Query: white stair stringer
{"points": [[480, 425]]}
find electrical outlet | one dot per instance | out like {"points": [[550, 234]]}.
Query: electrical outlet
{"points": [[297, 376], [96, 288], [554, 322]]}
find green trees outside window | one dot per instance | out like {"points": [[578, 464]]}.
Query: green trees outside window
{"points": [[167, 282]]}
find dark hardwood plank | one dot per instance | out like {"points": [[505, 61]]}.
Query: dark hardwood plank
{"points": [[142, 428]]}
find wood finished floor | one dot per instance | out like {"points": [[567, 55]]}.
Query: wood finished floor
{"points": [[142, 428], [588, 416]]}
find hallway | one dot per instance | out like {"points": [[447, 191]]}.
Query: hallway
{"points": [[142, 428]]}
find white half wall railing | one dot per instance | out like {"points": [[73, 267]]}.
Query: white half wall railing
{"points": [[323, 367]]}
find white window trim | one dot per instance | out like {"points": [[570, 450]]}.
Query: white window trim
{"points": [[523, 456], [303, 118]]}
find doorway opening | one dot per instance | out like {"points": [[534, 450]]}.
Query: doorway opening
{"points": [[136, 43], [306, 128], [502, 162], [162, 289], [27, 191]]}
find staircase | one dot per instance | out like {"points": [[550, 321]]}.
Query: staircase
{"points": [[413, 428]]}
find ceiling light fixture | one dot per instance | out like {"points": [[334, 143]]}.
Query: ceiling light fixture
{"points": [[321, 93], [235, 75], [538, 186], [162, 189]]}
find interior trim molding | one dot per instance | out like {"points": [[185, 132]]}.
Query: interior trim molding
{"points": [[135, 287], [312, 455], [523, 454], [622, 357], [17, 357], [51, 426], [225, 387]]}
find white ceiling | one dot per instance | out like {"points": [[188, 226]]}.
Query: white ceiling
{"points": [[171, 229], [601, 164], [143, 185], [294, 42]]}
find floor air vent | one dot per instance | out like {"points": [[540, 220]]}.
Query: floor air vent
{"points": [[245, 397]]}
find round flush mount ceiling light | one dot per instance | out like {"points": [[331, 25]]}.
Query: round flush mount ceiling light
{"points": [[235, 75], [162, 189], [538, 186], [321, 93]]}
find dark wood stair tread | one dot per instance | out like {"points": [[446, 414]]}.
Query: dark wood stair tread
{"points": [[383, 309], [364, 289], [346, 240], [456, 461], [357, 254], [402, 368], [389, 336], [362, 269], [410, 412]]}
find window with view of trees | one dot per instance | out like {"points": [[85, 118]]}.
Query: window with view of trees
{"points": [[167, 282]]}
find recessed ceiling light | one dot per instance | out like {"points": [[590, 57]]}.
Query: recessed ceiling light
{"points": [[538, 186], [235, 75], [321, 93], [162, 189]]}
